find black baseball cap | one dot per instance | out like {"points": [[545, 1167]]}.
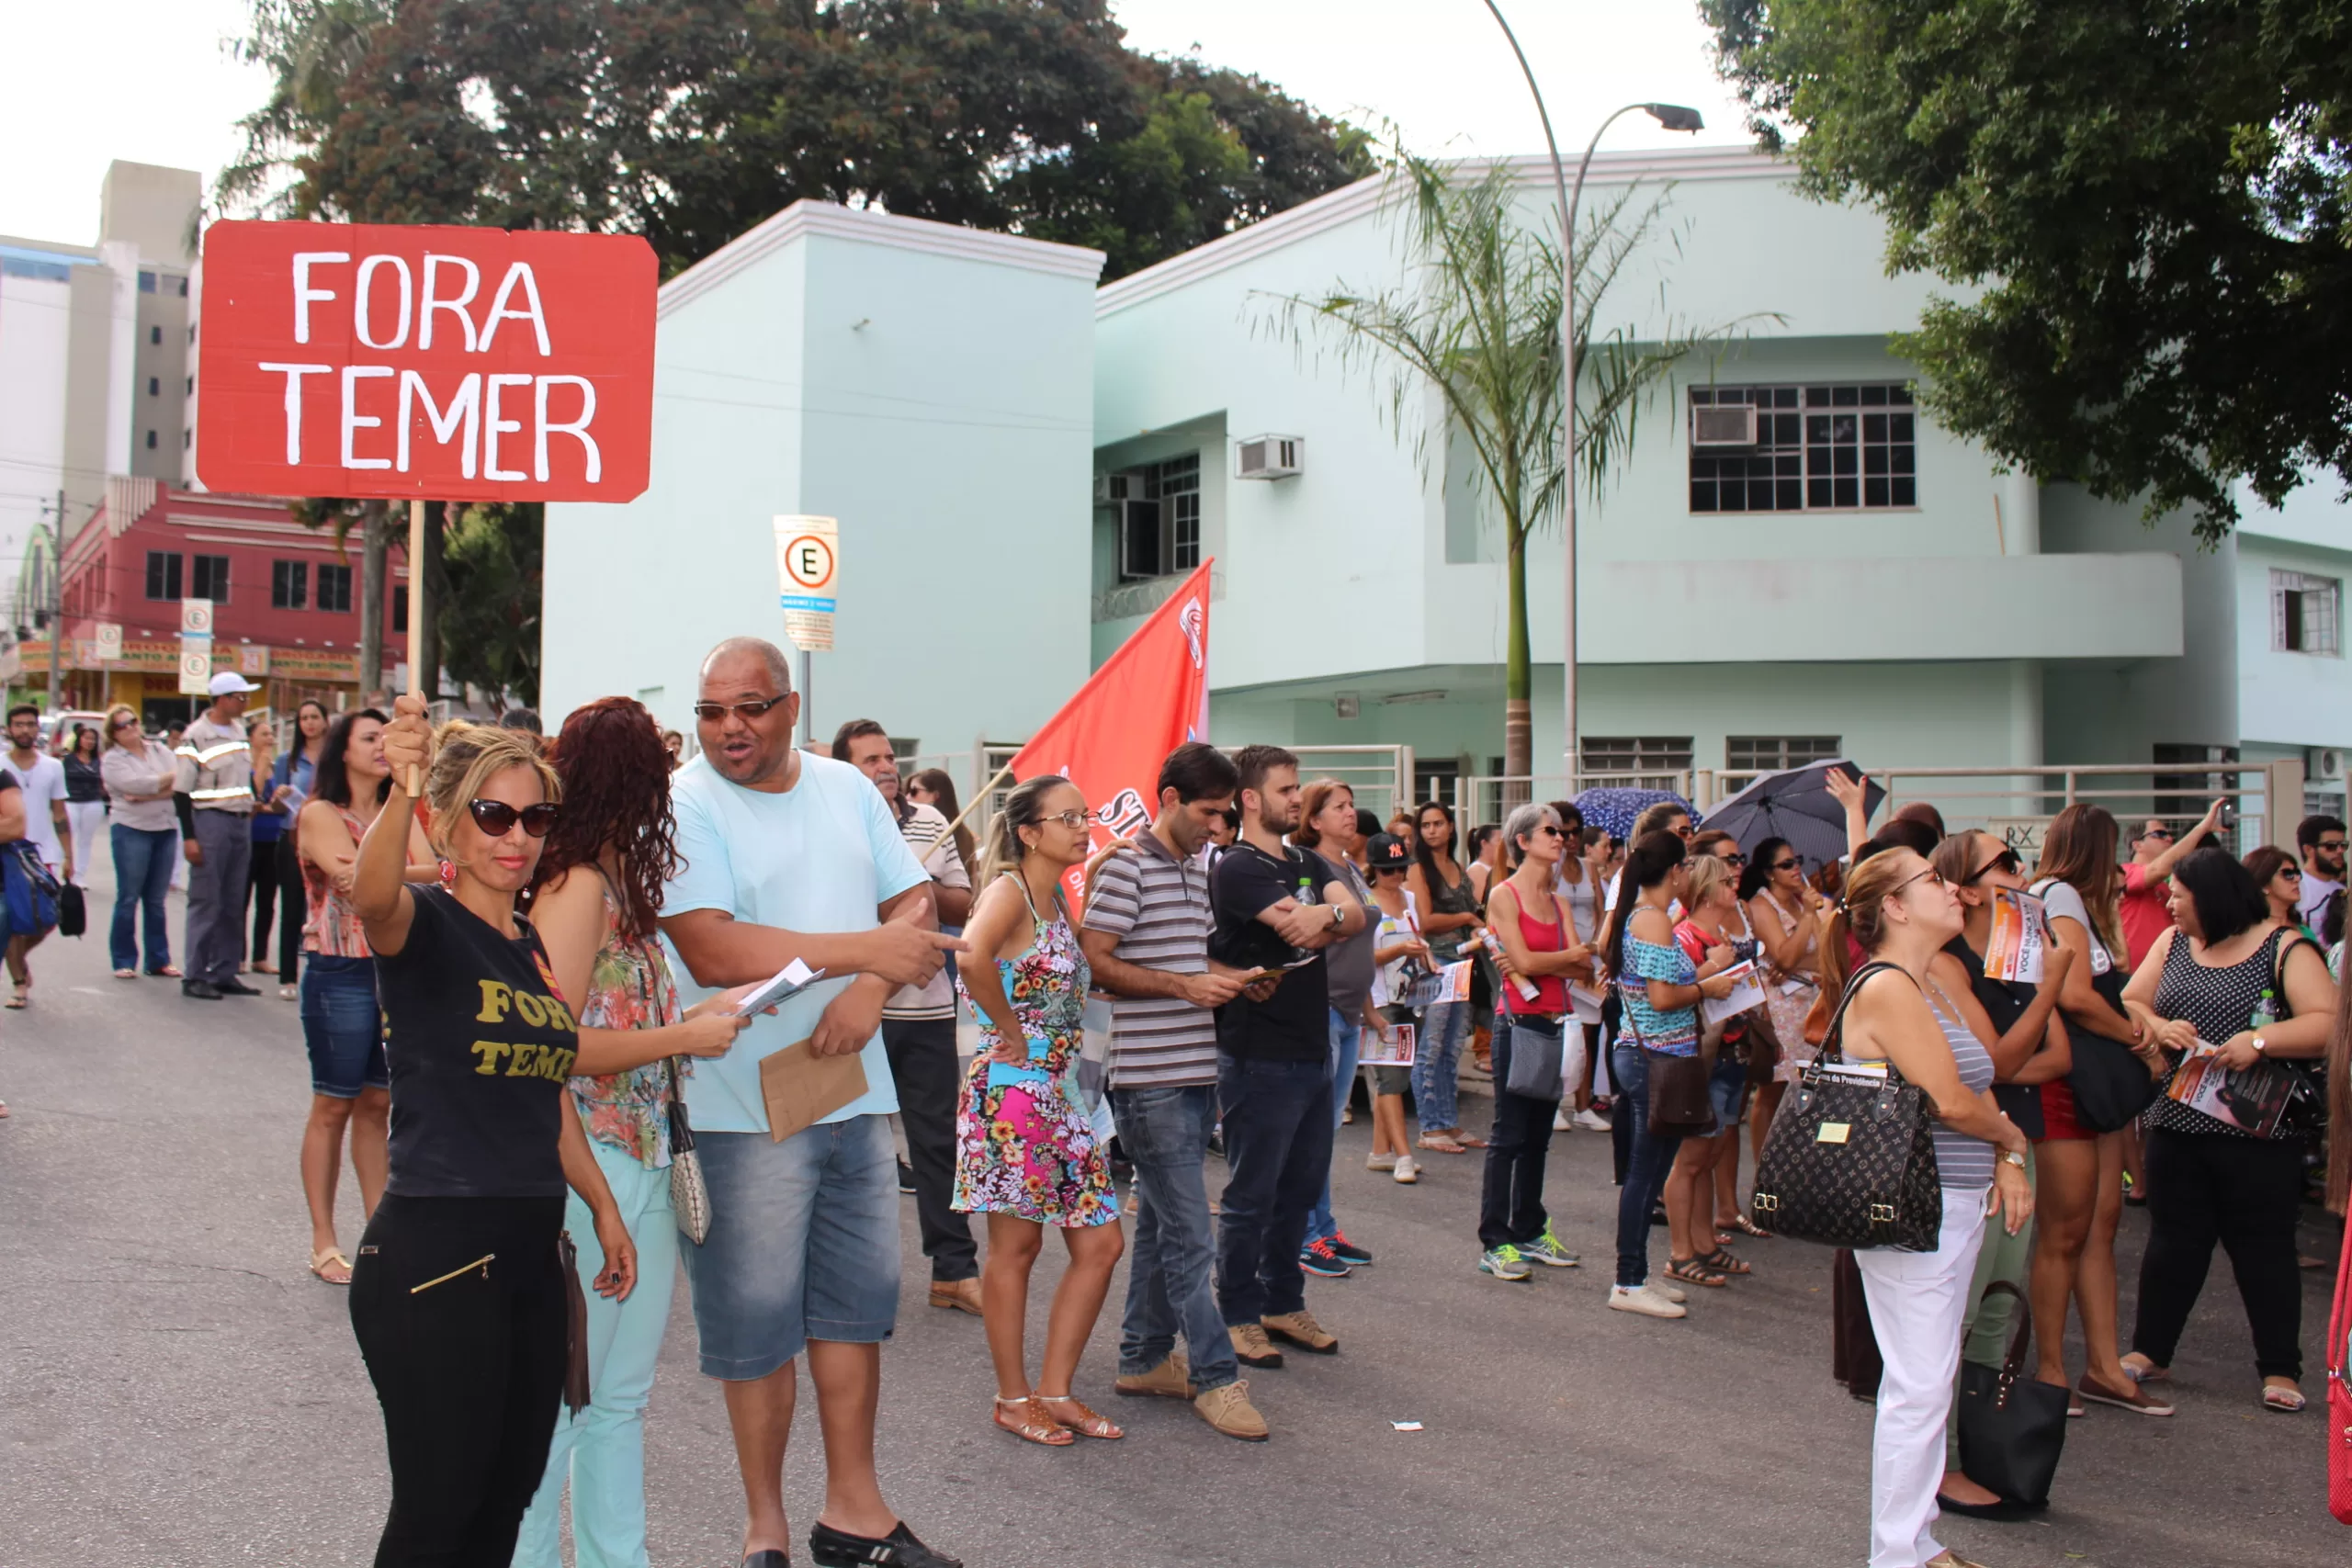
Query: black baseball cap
{"points": [[1386, 851]]}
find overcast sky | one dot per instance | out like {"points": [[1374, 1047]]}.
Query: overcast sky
{"points": [[84, 82]]}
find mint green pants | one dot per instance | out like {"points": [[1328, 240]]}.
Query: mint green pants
{"points": [[1985, 1329], [601, 1451]]}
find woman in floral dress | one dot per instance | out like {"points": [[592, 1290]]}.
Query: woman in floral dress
{"points": [[598, 893], [1025, 1156]]}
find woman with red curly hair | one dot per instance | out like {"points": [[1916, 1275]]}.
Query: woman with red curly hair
{"points": [[595, 900]]}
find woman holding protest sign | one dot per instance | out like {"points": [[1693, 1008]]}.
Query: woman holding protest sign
{"points": [[2240, 1002]]}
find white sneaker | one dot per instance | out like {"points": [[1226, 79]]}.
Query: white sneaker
{"points": [[1674, 1294], [1380, 1162], [1592, 1121], [1639, 1299], [1560, 1122], [1408, 1171]]}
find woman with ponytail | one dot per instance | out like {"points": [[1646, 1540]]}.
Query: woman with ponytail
{"points": [[1025, 1156], [1901, 912]]}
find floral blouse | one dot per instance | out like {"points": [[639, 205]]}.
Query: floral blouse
{"points": [[629, 988]]}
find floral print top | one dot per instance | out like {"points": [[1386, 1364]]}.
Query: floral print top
{"points": [[333, 929], [1047, 986], [629, 988], [1675, 1032]]}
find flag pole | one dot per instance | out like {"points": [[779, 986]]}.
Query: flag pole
{"points": [[973, 805]]}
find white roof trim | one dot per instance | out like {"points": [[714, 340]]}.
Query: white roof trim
{"points": [[871, 227], [1351, 202]]}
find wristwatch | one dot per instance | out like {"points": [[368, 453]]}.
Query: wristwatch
{"points": [[2010, 1156], [1338, 917], [2260, 1045]]}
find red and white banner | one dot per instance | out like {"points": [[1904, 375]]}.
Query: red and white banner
{"points": [[1147, 699], [418, 360]]}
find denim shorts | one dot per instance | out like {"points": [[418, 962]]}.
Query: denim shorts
{"points": [[803, 1245], [343, 1026], [1725, 1088]]}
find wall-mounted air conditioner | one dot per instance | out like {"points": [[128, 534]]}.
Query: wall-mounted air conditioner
{"points": [[1111, 489], [1726, 424], [2327, 762], [1269, 457]]}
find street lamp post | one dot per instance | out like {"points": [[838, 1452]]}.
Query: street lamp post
{"points": [[1673, 116]]}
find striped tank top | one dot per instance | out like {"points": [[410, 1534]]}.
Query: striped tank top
{"points": [[1962, 1162]]}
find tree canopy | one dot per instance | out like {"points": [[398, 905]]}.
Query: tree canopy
{"points": [[2146, 199], [689, 122]]}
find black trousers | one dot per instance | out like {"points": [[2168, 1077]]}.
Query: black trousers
{"points": [[459, 1304], [2242, 1193], [922, 1061], [293, 912], [1511, 1202], [261, 890]]}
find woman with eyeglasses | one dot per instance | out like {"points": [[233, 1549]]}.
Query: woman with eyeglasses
{"points": [[341, 1025], [1449, 906], [458, 1297], [1706, 1178], [291, 784], [1400, 958], [1577, 886], [2018, 1023], [2081, 1170], [2281, 880], [1901, 912], [1785, 912], [1025, 1155], [144, 839], [595, 902]]}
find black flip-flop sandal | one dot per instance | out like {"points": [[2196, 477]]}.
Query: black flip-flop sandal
{"points": [[1722, 1261]]}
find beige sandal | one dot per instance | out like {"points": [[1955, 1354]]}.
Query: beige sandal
{"points": [[1088, 1424], [330, 1256], [1043, 1430]]}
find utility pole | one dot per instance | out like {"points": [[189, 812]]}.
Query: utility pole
{"points": [[56, 599]]}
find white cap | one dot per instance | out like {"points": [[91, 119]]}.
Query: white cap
{"points": [[228, 683]]}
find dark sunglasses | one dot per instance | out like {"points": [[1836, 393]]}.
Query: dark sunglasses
{"points": [[715, 713], [2164, 833], [497, 818], [1784, 865], [2006, 861]]}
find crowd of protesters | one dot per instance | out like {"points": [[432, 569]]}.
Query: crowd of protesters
{"points": [[1239, 975]]}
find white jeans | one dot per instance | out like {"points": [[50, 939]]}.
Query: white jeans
{"points": [[86, 819], [1917, 1300]]}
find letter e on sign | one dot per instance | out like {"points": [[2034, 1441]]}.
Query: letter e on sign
{"points": [[808, 570], [420, 361]]}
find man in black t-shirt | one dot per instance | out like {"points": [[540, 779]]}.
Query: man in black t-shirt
{"points": [[1277, 908]]}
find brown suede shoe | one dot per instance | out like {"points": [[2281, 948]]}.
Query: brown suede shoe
{"points": [[1300, 1329], [1170, 1380], [956, 1296], [1228, 1410]]}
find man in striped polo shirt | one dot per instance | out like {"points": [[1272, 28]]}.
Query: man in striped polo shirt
{"points": [[1147, 937]]}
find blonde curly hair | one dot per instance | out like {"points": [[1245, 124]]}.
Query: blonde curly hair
{"points": [[465, 755]]}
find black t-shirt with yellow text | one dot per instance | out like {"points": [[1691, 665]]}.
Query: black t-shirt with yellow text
{"points": [[479, 1046]]}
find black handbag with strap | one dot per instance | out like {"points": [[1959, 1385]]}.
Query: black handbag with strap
{"points": [[2012, 1426], [1851, 1160]]}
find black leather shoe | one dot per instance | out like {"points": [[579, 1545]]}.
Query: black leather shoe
{"points": [[767, 1557], [2000, 1509], [203, 990], [232, 986], [899, 1549]]}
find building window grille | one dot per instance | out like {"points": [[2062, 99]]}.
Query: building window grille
{"points": [[335, 587], [1159, 508], [1772, 753], [162, 574], [1652, 761], [290, 584], [2305, 613], [1833, 449], [213, 578]]}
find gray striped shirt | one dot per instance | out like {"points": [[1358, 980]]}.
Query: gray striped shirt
{"points": [[1157, 906]]}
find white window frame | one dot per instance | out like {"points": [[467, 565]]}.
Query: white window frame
{"points": [[2320, 620]]}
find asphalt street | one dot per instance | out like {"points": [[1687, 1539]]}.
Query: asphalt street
{"points": [[176, 1390]]}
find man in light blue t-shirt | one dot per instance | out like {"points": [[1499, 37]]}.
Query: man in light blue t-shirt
{"points": [[789, 855]]}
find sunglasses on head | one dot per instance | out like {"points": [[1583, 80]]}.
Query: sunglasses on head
{"points": [[497, 818], [2006, 861]]}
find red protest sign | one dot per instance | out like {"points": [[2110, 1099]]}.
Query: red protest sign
{"points": [[405, 361]]}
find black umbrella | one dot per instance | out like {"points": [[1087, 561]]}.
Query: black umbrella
{"points": [[1796, 806]]}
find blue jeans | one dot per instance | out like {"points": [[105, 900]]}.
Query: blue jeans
{"points": [[1278, 1150], [1166, 1134], [1436, 1064], [601, 1451], [1345, 1043], [1646, 1171], [142, 869]]}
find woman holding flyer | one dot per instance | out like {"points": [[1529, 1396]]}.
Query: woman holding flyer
{"points": [[595, 902], [2240, 1004], [1513, 1229], [1400, 957], [1696, 1254], [1784, 911], [1449, 906]]}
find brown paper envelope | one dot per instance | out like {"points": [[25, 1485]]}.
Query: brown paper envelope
{"points": [[802, 1089]]}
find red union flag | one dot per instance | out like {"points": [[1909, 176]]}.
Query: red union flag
{"points": [[1147, 699], [406, 361]]}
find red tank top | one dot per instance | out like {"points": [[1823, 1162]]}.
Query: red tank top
{"points": [[1551, 991]]}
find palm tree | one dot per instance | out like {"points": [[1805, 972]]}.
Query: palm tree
{"points": [[1478, 318]]}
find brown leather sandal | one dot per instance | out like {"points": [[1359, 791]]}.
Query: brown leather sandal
{"points": [[1033, 1428], [1088, 1425]]}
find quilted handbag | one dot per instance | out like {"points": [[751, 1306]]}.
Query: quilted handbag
{"points": [[1850, 1162], [2012, 1426], [689, 1195], [2339, 1390]]}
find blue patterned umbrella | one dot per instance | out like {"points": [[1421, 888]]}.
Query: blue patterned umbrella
{"points": [[1614, 810]]}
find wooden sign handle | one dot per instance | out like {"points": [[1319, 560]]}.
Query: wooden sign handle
{"points": [[413, 780]]}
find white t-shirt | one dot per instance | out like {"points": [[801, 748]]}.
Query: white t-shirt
{"points": [[43, 783], [2317, 891], [2060, 898], [820, 857]]}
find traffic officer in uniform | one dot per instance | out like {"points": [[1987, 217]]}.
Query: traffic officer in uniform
{"points": [[214, 795]]}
